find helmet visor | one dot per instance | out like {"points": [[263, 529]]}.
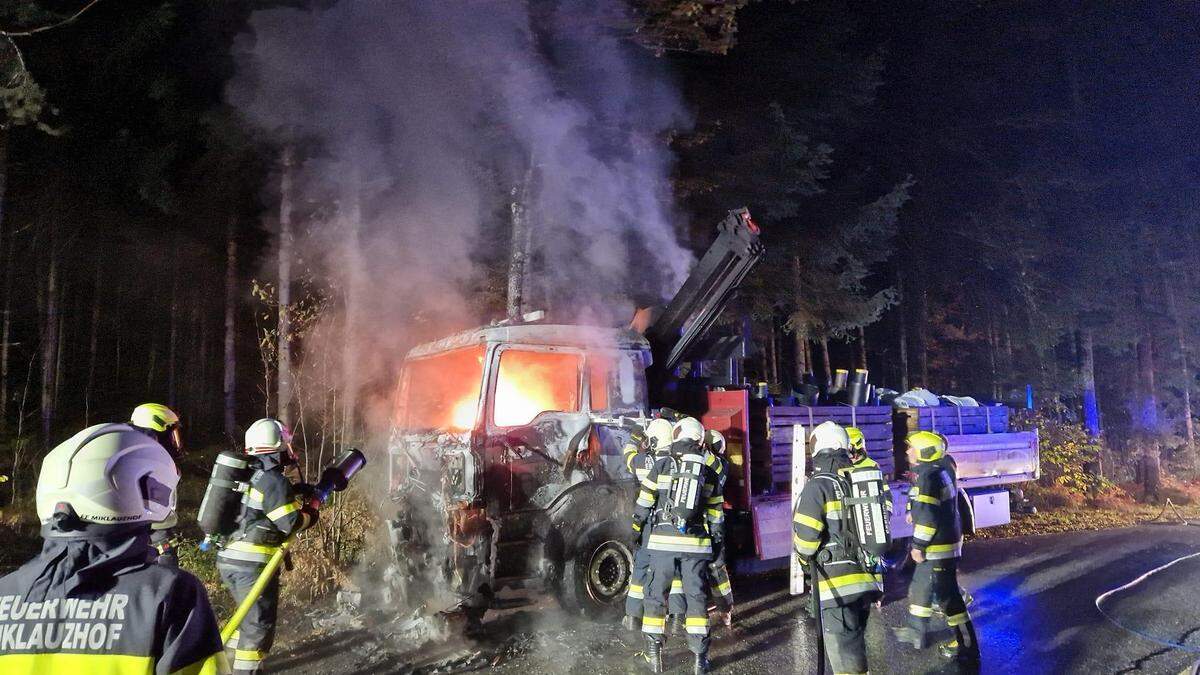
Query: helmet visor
{"points": [[175, 434]]}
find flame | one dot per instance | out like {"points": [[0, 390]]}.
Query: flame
{"points": [[520, 397], [463, 416], [533, 382], [442, 391]]}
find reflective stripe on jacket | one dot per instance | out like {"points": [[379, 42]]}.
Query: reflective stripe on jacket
{"points": [[270, 512], [87, 605], [937, 530], [655, 495], [821, 529]]}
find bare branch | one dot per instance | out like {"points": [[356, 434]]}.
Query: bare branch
{"points": [[52, 26]]}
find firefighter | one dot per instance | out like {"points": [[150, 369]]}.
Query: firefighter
{"points": [[93, 601], [822, 532], [859, 459], [639, 457], [162, 424], [722, 589], [936, 548], [272, 510], [678, 504]]}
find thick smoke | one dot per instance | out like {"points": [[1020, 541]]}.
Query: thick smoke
{"points": [[414, 121]]}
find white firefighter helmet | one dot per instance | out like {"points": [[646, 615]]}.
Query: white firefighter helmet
{"points": [[266, 436], [828, 436], [658, 433], [108, 474], [715, 442], [688, 429]]}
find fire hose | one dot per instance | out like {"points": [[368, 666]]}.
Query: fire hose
{"points": [[335, 478]]}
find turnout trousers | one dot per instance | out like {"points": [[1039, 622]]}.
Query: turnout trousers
{"points": [[843, 629], [256, 634], [693, 573], [637, 582], [935, 582]]}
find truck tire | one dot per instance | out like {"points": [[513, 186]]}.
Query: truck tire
{"points": [[595, 580]]}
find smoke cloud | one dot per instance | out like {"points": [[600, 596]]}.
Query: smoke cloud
{"points": [[415, 121]]}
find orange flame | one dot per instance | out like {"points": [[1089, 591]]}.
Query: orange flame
{"points": [[530, 383]]}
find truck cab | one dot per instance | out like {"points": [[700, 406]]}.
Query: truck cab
{"points": [[506, 466]]}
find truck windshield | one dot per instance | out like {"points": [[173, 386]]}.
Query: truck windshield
{"points": [[442, 391], [532, 382]]}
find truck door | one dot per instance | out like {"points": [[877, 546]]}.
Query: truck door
{"points": [[534, 418], [616, 388]]}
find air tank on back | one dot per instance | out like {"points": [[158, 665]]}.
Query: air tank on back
{"points": [[223, 497]]}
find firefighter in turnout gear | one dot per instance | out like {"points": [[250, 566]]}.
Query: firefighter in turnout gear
{"points": [[162, 424], [821, 531], [639, 457], [936, 548], [93, 601], [720, 588], [860, 459], [679, 506], [272, 509]]}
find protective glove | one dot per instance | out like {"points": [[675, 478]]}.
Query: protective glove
{"points": [[313, 513], [636, 534]]}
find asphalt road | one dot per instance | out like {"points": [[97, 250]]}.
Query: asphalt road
{"points": [[1034, 608]]}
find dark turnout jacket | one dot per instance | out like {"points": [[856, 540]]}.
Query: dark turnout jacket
{"points": [[271, 511], [937, 530], [95, 602], [821, 529]]}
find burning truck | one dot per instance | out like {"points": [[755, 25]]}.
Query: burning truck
{"points": [[505, 460]]}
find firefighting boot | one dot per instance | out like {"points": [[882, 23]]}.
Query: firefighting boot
{"points": [[910, 636], [654, 654], [965, 648], [702, 665]]}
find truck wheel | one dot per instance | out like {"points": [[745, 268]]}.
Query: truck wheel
{"points": [[594, 583]]}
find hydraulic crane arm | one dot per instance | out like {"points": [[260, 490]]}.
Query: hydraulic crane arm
{"points": [[706, 291]]}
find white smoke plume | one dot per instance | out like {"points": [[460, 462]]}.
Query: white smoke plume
{"points": [[414, 121]]}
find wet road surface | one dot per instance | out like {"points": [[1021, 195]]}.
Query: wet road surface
{"points": [[1034, 608]]}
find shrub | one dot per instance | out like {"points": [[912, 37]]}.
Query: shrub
{"points": [[1069, 458], [1053, 497]]}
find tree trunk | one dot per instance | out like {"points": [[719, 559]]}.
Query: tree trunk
{"points": [[59, 350], [803, 367], [800, 333], [518, 260], [49, 344], [284, 352], [862, 348], [992, 346], [1087, 368], [824, 343], [1147, 404], [93, 343], [1184, 365], [774, 359], [6, 330], [6, 248], [173, 332], [923, 337], [354, 292], [229, 383]]}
